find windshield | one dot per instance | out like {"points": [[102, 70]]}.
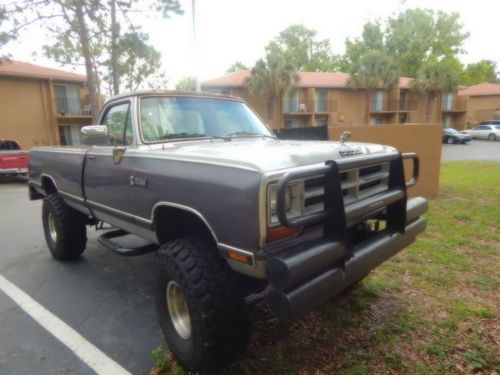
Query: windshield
{"points": [[450, 130], [164, 118]]}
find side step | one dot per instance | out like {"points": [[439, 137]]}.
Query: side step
{"points": [[106, 241]]}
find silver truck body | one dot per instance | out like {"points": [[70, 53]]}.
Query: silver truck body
{"points": [[225, 184]]}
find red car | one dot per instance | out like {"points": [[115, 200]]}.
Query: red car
{"points": [[13, 161]]}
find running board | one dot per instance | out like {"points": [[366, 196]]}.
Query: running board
{"points": [[106, 241]]}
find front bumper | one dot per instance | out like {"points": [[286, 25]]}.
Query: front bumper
{"points": [[306, 276]]}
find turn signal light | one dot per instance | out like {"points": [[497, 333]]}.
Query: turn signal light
{"points": [[239, 257], [278, 233]]}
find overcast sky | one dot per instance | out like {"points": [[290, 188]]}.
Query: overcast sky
{"points": [[238, 30]]}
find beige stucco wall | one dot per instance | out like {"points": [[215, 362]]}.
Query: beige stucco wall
{"points": [[482, 108], [424, 139], [26, 115]]}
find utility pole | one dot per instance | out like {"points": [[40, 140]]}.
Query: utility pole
{"points": [[195, 49]]}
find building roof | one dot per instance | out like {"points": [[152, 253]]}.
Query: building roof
{"points": [[481, 89], [15, 68], [306, 79]]}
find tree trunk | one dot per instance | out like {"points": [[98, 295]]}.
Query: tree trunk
{"points": [[367, 113], [91, 79], [271, 98], [114, 50], [430, 103]]}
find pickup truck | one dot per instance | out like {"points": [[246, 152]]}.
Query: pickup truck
{"points": [[230, 210], [13, 161]]}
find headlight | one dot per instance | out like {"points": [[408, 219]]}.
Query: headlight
{"points": [[293, 201]]}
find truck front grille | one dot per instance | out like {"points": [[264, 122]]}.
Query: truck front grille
{"points": [[356, 184]]}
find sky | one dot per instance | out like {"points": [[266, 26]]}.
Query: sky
{"points": [[238, 30]]}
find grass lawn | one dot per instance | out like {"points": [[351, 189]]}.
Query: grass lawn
{"points": [[432, 309]]}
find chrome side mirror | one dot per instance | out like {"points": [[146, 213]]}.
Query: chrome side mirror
{"points": [[95, 134]]}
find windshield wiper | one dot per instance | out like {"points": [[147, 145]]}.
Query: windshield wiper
{"points": [[192, 135], [248, 134]]}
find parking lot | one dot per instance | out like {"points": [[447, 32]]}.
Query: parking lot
{"points": [[105, 298], [475, 150]]}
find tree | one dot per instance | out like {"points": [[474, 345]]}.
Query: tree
{"points": [[374, 70], [417, 36], [271, 78], [482, 71], [84, 32], [238, 65], [186, 84], [372, 39], [299, 46], [433, 78]]}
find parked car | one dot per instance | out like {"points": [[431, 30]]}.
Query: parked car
{"points": [[227, 207], [13, 161], [451, 136], [488, 130]]}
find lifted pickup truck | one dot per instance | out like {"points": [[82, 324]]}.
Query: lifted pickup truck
{"points": [[224, 204]]}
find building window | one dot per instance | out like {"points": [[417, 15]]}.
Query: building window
{"points": [[403, 118], [375, 121], [447, 101], [321, 121], [447, 121], [70, 135], [377, 101], [294, 123], [67, 99], [291, 102], [320, 101]]}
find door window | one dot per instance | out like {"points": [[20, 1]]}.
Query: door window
{"points": [[119, 123], [377, 101]]}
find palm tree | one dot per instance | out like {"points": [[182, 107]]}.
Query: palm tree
{"points": [[435, 77], [374, 70], [270, 79]]}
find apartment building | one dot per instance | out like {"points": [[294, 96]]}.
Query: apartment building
{"points": [[483, 102], [325, 98], [40, 105]]}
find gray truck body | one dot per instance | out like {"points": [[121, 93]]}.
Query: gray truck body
{"points": [[224, 184]]}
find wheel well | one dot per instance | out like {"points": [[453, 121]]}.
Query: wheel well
{"points": [[171, 223], [48, 185]]}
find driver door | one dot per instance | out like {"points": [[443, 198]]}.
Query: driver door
{"points": [[107, 167]]}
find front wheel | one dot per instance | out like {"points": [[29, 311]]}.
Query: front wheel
{"points": [[199, 305], [492, 137], [450, 140], [64, 227]]}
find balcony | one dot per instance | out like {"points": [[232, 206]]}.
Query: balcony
{"points": [[457, 105], [72, 108], [390, 106], [309, 106]]}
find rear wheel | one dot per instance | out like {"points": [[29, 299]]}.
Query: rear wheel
{"points": [[199, 304], [64, 228], [492, 137]]}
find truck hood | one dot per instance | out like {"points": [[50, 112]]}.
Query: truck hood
{"points": [[262, 155]]}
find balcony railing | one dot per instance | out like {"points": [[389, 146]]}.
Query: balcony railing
{"points": [[457, 105], [393, 105], [309, 106], [72, 107]]}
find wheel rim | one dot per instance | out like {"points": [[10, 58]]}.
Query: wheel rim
{"points": [[450, 140], [52, 227], [177, 308]]}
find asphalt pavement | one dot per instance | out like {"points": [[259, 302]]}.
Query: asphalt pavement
{"points": [[475, 150], [105, 298]]}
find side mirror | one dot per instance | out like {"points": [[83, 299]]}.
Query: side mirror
{"points": [[95, 134]]}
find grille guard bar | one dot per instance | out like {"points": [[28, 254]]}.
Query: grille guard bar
{"points": [[336, 217]]}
